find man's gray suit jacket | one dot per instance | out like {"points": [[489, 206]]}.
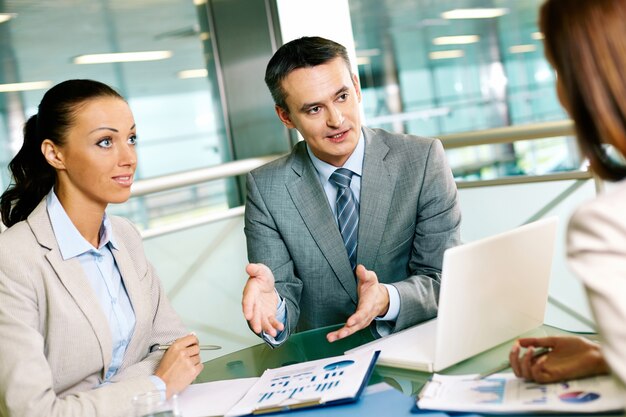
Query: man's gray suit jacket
{"points": [[409, 215]]}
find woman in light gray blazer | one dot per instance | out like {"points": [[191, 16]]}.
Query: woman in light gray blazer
{"points": [[585, 41], [81, 309]]}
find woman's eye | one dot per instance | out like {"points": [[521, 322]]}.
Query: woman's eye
{"points": [[105, 143]]}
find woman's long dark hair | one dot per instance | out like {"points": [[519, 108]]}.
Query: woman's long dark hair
{"points": [[585, 40], [32, 176]]}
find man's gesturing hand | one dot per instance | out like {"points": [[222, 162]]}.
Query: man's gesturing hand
{"points": [[373, 302], [260, 300]]}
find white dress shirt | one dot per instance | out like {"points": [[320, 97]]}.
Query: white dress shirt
{"points": [[103, 276]]}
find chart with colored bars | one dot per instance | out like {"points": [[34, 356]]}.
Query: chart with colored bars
{"points": [[495, 390], [491, 391], [506, 393], [306, 384]]}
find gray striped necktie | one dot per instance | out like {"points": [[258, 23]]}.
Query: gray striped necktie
{"points": [[347, 211]]}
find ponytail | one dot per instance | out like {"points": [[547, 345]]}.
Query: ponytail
{"points": [[32, 176]]}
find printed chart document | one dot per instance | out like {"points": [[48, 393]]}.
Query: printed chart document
{"points": [[504, 393], [322, 382]]}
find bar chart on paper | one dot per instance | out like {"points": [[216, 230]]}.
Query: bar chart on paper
{"points": [[504, 393], [308, 384], [490, 391]]}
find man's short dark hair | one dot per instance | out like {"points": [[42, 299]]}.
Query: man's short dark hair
{"points": [[304, 52]]}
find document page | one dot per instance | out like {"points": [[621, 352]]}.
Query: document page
{"points": [[307, 384], [504, 393], [210, 399]]}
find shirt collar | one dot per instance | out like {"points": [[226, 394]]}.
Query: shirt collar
{"points": [[71, 242], [354, 162]]}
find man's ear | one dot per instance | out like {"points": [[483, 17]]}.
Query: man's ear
{"points": [[357, 86], [284, 117], [53, 154]]}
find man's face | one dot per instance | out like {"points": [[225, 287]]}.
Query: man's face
{"points": [[323, 104]]}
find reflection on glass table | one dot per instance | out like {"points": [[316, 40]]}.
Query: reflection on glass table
{"points": [[312, 345]]}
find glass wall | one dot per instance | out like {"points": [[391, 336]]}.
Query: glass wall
{"points": [[427, 72], [173, 94], [421, 72]]}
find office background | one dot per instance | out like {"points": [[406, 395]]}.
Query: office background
{"points": [[199, 100]]}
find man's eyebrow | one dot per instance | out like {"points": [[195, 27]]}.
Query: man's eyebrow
{"points": [[307, 106]]}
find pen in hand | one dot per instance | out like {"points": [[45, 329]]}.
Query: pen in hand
{"points": [[157, 347], [506, 365]]}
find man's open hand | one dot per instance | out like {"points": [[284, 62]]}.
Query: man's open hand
{"points": [[260, 300], [373, 302]]}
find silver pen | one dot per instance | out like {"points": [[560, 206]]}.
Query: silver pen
{"points": [[506, 365], [154, 348]]}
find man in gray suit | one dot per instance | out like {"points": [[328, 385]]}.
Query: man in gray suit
{"points": [[352, 225]]}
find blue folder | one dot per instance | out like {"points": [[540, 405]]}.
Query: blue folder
{"points": [[380, 404]]}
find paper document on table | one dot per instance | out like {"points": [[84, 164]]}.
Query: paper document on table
{"points": [[504, 393], [213, 398], [309, 384]]}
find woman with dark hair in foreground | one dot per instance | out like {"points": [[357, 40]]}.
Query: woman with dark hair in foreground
{"points": [[81, 307]]}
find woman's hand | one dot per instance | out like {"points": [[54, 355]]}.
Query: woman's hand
{"points": [[180, 364], [570, 357]]}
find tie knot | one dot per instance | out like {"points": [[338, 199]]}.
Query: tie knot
{"points": [[341, 177]]}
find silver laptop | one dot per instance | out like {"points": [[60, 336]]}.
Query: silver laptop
{"points": [[492, 290]]}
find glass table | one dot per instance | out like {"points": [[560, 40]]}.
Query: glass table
{"points": [[312, 345]]}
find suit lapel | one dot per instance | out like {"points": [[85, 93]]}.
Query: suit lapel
{"points": [[72, 276], [376, 193], [309, 198]]}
